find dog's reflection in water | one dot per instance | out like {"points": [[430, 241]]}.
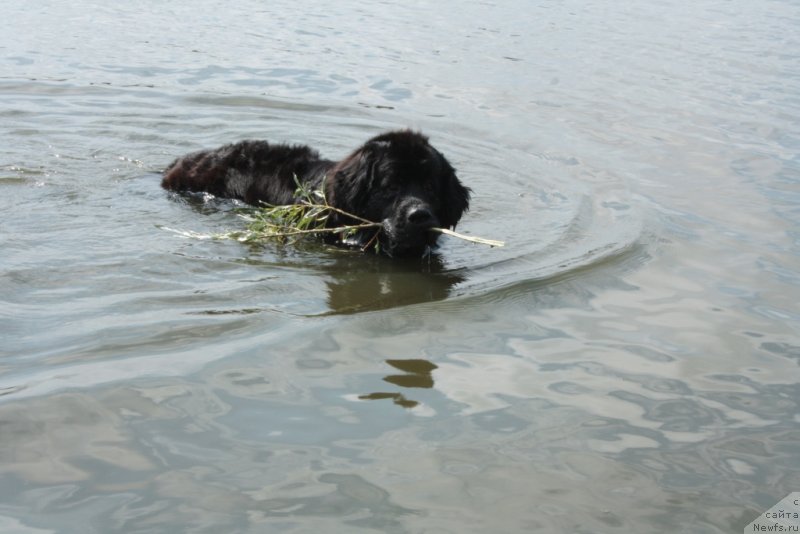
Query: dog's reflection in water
{"points": [[360, 283], [417, 374]]}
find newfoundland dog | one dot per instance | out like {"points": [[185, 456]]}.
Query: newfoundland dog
{"points": [[397, 179]]}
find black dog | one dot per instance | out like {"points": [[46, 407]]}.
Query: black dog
{"points": [[396, 178]]}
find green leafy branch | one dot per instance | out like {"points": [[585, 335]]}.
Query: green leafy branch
{"points": [[310, 215]]}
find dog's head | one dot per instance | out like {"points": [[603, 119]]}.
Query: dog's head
{"points": [[401, 181]]}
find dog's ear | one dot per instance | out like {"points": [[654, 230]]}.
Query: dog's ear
{"points": [[352, 180], [455, 197]]}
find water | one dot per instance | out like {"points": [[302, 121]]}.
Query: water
{"points": [[628, 363]]}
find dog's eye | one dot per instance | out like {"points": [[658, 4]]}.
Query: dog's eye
{"points": [[388, 183]]}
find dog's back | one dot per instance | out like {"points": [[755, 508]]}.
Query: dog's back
{"points": [[253, 171]]}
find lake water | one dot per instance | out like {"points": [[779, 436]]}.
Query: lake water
{"points": [[629, 362]]}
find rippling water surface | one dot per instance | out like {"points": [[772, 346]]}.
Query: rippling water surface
{"points": [[627, 363]]}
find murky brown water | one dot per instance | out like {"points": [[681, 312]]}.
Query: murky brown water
{"points": [[628, 363]]}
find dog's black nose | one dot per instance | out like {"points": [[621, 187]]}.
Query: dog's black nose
{"points": [[421, 216]]}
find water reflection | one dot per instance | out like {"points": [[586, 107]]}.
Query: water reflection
{"points": [[417, 374], [360, 284]]}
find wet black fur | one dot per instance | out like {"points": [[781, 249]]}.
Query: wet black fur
{"points": [[396, 178]]}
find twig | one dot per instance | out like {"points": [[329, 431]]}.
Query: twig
{"points": [[290, 232], [342, 212], [309, 217], [480, 240]]}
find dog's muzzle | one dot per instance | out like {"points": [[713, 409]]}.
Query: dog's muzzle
{"points": [[409, 232]]}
